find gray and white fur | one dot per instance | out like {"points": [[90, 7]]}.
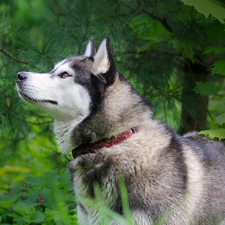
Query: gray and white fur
{"points": [[170, 179]]}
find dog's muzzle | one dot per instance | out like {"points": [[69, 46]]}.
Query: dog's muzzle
{"points": [[21, 76]]}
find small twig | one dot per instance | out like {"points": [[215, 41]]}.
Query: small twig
{"points": [[82, 41], [13, 57], [3, 66]]}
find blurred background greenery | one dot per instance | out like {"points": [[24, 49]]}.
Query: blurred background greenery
{"points": [[171, 51]]}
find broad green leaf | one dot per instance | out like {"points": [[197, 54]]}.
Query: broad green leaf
{"points": [[38, 217], [22, 208], [207, 88], [208, 7], [184, 47], [215, 49], [51, 179], [220, 119], [36, 181], [219, 67], [5, 204], [149, 29], [217, 133]]}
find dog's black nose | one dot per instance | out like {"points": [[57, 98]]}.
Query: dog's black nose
{"points": [[21, 76]]}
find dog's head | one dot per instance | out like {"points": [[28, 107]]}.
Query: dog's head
{"points": [[74, 88]]}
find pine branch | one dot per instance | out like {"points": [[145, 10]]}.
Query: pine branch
{"points": [[5, 64], [13, 57], [6, 110]]}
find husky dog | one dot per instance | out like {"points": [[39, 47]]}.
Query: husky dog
{"points": [[111, 132]]}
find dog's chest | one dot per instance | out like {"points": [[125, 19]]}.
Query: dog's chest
{"points": [[94, 177]]}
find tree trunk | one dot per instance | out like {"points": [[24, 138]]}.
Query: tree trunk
{"points": [[194, 105]]}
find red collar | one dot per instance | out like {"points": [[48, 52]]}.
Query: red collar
{"points": [[103, 143]]}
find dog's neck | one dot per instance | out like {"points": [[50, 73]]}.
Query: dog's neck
{"points": [[63, 131], [103, 123], [120, 110], [103, 143]]}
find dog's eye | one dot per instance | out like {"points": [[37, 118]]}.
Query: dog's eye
{"points": [[64, 75]]}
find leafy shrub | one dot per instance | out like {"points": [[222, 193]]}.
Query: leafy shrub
{"points": [[217, 130], [49, 200], [43, 200]]}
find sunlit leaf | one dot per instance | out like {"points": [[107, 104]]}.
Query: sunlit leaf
{"points": [[217, 133], [208, 7]]}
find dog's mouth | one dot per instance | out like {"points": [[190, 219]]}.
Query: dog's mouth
{"points": [[33, 100]]}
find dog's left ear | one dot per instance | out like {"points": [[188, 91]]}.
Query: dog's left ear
{"points": [[90, 49], [103, 61]]}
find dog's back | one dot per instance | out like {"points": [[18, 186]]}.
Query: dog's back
{"points": [[211, 155]]}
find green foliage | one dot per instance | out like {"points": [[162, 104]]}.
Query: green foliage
{"points": [[207, 88], [186, 38], [40, 200], [215, 49], [214, 133], [220, 120], [219, 67], [208, 7], [102, 208], [217, 130], [148, 29]]}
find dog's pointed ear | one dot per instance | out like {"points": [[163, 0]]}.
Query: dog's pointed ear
{"points": [[103, 61], [90, 49]]}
